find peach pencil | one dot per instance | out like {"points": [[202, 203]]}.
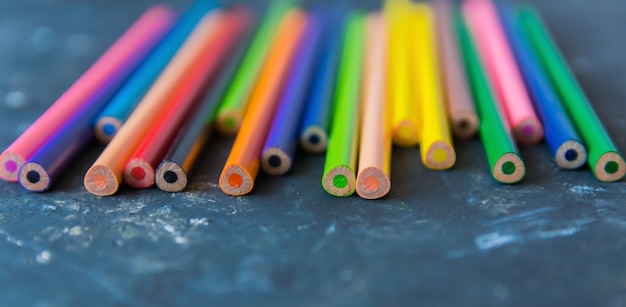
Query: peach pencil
{"points": [[373, 177]]}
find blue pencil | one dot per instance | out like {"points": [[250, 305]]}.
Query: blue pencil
{"points": [[281, 143], [112, 117], [315, 125], [560, 134]]}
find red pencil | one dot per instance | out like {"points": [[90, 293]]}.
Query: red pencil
{"points": [[139, 171]]}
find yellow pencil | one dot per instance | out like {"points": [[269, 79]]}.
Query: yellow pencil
{"points": [[436, 141], [405, 119]]}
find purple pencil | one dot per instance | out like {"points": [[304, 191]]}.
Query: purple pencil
{"points": [[281, 143], [55, 154]]}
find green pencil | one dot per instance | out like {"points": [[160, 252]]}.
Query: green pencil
{"points": [[341, 154], [234, 105], [504, 160], [604, 159]]}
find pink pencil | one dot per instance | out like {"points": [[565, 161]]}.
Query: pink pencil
{"points": [[103, 76], [485, 26]]}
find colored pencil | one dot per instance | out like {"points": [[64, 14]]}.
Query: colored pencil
{"points": [[406, 118], [116, 64], [504, 160], [461, 110], [105, 176], [604, 159], [233, 108], [316, 117], [339, 177], [139, 171], [373, 180], [114, 114], [561, 136], [282, 139], [172, 174], [242, 166], [46, 165], [436, 144], [485, 26]]}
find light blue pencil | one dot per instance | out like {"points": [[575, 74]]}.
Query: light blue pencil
{"points": [[109, 121]]}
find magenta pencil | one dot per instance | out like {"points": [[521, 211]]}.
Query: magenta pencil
{"points": [[485, 26], [102, 79]]}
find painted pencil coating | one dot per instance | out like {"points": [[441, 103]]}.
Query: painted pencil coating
{"points": [[47, 164], [508, 85], [140, 169], [373, 179], [105, 176], [339, 177], [436, 143], [242, 166], [561, 136], [504, 160], [115, 64], [606, 162], [112, 117], [233, 108], [318, 106], [172, 174], [406, 117], [280, 146], [461, 110]]}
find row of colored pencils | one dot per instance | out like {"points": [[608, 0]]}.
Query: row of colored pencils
{"points": [[348, 83]]}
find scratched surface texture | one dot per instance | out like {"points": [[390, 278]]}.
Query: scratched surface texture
{"points": [[440, 238]]}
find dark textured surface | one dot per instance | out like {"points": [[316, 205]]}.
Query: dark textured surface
{"points": [[439, 238]]}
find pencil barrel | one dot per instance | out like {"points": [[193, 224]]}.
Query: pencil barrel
{"points": [[191, 139], [437, 150], [461, 111], [283, 133], [343, 140], [139, 82], [596, 138], [235, 103], [495, 135], [317, 114], [558, 127]]}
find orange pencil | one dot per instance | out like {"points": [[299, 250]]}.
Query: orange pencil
{"points": [[105, 175], [139, 172], [243, 163]]}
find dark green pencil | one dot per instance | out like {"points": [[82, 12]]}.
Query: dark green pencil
{"points": [[504, 160]]}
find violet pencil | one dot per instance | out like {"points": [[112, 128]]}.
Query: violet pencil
{"points": [[281, 143]]}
